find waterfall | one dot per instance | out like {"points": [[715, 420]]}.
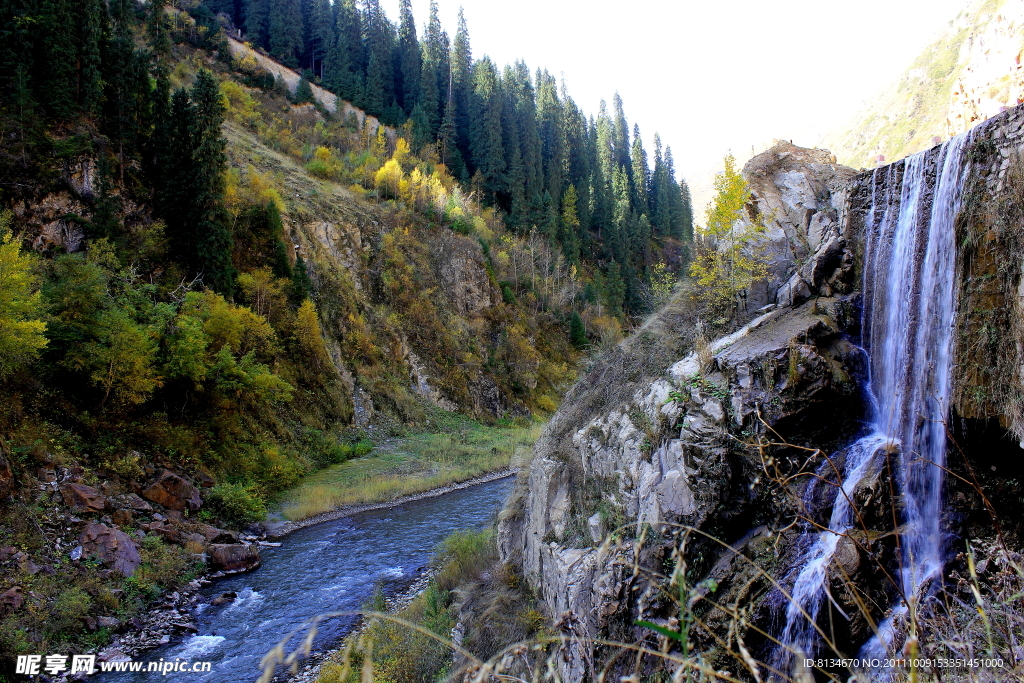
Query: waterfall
{"points": [[907, 321]]}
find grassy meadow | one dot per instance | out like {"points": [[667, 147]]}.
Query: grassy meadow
{"points": [[460, 450]]}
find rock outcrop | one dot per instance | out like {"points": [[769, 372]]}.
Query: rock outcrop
{"points": [[81, 498], [173, 492], [610, 489], [716, 457], [799, 195], [110, 546], [233, 558]]}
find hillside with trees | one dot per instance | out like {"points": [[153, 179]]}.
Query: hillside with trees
{"points": [[206, 273]]}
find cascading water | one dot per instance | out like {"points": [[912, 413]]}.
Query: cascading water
{"points": [[907, 323]]}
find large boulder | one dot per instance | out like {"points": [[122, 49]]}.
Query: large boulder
{"points": [[212, 534], [12, 600], [81, 498], [799, 195], [173, 492], [111, 546], [232, 558]]}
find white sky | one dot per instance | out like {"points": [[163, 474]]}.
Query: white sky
{"points": [[710, 76]]}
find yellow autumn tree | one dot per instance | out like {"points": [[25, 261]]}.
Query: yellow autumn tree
{"points": [[21, 330], [388, 180], [308, 336], [729, 257]]}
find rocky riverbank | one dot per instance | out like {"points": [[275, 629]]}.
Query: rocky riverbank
{"points": [[172, 618], [309, 671]]}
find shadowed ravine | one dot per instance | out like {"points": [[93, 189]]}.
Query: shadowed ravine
{"points": [[332, 566]]}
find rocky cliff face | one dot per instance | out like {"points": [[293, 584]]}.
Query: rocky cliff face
{"points": [[680, 450], [798, 193], [615, 481]]}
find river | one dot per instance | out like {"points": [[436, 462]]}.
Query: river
{"points": [[333, 566]]}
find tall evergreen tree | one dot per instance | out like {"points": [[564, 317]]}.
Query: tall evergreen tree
{"points": [[603, 172], [659, 196], [285, 29], [409, 59], [687, 211], [177, 181], [60, 50], [460, 87], [209, 163], [578, 164], [257, 22], [345, 67], [318, 26], [379, 35], [93, 27], [620, 133], [425, 115], [436, 50], [488, 152], [126, 80], [641, 174], [157, 30]]}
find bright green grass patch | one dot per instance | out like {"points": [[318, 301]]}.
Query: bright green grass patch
{"points": [[414, 464]]}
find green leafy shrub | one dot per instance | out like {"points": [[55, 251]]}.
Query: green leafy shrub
{"points": [[235, 504]]}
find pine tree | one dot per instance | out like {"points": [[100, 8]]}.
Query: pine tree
{"points": [[641, 174], [257, 22], [687, 211], [318, 25], [176, 186], [345, 67], [285, 29], [521, 86], [515, 176], [660, 201], [460, 86], [436, 50], [379, 93], [209, 162], [620, 134], [93, 27], [614, 289], [157, 30], [578, 163], [426, 118], [57, 19], [577, 331], [127, 108], [603, 174], [302, 287], [622, 215], [571, 224], [304, 91], [409, 60], [488, 153], [551, 125], [18, 27]]}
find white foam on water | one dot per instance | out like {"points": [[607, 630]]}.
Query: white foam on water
{"points": [[907, 321]]}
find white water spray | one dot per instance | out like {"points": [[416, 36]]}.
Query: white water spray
{"points": [[908, 316]]}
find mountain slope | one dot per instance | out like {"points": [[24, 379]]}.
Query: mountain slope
{"points": [[969, 74]]}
